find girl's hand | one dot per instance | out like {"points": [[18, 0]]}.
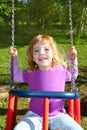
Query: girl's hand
{"points": [[72, 52], [13, 51]]}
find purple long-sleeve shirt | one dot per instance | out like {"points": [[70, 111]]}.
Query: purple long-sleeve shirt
{"points": [[46, 80]]}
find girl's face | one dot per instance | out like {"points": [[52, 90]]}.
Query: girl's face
{"points": [[43, 55]]}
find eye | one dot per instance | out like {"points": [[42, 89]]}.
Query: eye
{"points": [[47, 49], [36, 50]]}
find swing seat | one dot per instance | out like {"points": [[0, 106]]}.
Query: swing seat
{"points": [[73, 104]]}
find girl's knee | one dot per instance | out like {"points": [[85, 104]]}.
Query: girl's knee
{"points": [[22, 126]]}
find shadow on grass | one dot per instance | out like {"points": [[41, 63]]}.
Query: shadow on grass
{"points": [[82, 78], [3, 111], [21, 112], [25, 33], [4, 79], [84, 107]]}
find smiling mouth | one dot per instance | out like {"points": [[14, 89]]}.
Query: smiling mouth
{"points": [[42, 59]]}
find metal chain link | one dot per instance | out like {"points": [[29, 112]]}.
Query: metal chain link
{"points": [[70, 18], [73, 85], [13, 40], [13, 23]]}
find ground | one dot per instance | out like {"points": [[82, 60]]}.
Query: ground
{"points": [[4, 91]]}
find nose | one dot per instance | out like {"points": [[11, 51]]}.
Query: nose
{"points": [[42, 51]]}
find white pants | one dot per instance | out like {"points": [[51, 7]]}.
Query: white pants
{"points": [[32, 121]]}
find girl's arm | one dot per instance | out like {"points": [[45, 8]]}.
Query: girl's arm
{"points": [[73, 64], [17, 74]]}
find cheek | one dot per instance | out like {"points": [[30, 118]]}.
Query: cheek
{"points": [[34, 58], [51, 54]]}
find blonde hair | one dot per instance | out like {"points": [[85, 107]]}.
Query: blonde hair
{"points": [[58, 58]]}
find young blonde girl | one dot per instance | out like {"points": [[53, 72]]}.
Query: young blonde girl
{"points": [[58, 58], [47, 71]]}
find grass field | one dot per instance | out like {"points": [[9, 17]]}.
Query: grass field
{"points": [[63, 43]]}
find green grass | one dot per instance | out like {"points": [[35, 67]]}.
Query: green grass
{"points": [[21, 44]]}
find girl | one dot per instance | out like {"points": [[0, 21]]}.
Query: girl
{"points": [[47, 71]]}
